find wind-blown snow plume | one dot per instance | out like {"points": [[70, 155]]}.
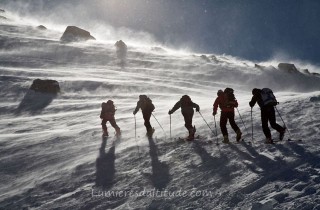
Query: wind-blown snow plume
{"points": [[52, 155]]}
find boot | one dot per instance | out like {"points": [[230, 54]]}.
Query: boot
{"points": [[150, 132], [269, 141], [225, 139], [118, 132], [191, 134], [105, 132], [239, 134], [281, 134]]}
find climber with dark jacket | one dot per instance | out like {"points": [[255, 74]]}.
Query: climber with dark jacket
{"points": [[186, 105], [266, 101], [147, 107], [108, 111]]}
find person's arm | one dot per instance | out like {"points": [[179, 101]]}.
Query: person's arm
{"points": [[196, 106], [137, 108], [215, 106], [253, 100], [234, 103], [175, 107]]}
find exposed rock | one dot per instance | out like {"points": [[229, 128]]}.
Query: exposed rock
{"points": [[2, 11], [41, 27], [315, 99], [288, 67], [306, 71], [258, 66], [214, 59], [3, 18], [264, 67], [45, 86], [316, 74], [121, 49], [204, 57], [74, 34]]}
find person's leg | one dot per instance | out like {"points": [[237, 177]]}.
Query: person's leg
{"points": [[264, 121], [232, 121], [146, 117], [188, 120], [104, 127], [114, 124], [223, 123], [234, 125], [223, 126], [188, 115], [274, 125], [272, 120]]}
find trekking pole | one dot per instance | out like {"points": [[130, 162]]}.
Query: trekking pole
{"points": [[206, 122], [251, 126], [135, 135], [242, 121], [215, 125], [170, 126], [160, 125], [284, 123]]}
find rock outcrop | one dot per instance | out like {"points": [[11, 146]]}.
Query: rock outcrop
{"points": [[45, 86], [41, 27], [315, 99], [288, 67], [121, 49], [75, 34], [306, 71]]}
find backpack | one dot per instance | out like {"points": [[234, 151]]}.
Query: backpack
{"points": [[228, 96], [146, 103], [267, 97], [185, 101], [108, 109]]}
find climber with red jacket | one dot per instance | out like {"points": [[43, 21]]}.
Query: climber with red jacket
{"points": [[226, 102]]}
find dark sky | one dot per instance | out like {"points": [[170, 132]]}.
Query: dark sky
{"points": [[251, 29]]}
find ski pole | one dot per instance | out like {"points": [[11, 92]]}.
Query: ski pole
{"points": [[160, 125], [215, 125], [170, 126], [242, 121], [206, 122], [135, 128], [135, 135], [283, 122], [251, 126]]}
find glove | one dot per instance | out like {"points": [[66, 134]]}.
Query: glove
{"points": [[170, 112], [197, 109], [214, 113], [250, 105], [134, 113]]}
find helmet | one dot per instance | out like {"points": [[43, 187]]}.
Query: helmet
{"points": [[109, 102], [219, 93]]}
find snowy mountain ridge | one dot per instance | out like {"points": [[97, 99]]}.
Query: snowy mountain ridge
{"points": [[53, 155]]}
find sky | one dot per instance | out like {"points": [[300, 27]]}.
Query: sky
{"points": [[250, 29]]}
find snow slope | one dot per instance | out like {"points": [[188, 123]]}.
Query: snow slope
{"points": [[52, 155]]}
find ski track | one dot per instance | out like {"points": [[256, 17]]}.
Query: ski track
{"points": [[53, 156]]}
